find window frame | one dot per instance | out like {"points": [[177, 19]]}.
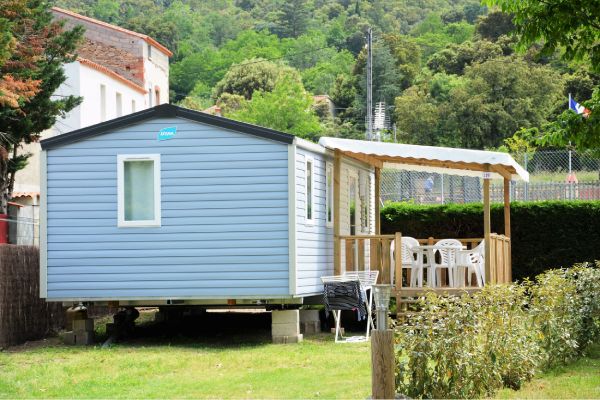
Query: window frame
{"points": [[121, 160], [329, 200], [311, 220], [364, 183]]}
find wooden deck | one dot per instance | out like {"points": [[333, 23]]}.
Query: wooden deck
{"points": [[362, 252]]}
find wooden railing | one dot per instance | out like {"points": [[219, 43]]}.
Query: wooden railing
{"points": [[362, 252], [372, 252]]}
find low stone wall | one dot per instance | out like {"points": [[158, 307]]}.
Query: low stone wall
{"points": [[23, 315]]}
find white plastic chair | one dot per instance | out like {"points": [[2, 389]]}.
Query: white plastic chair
{"points": [[409, 261], [447, 249], [473, 261]]}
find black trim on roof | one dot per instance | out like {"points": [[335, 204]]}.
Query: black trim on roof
{"points": [[166, 111]]}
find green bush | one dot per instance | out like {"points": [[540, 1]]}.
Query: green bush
{"points": [[544, 234], [471, 346]]}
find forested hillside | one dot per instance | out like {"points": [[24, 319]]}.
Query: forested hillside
{"points": [[447, 70]]}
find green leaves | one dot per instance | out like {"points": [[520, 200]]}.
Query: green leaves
{"points": [[573, 25], [471, 346], [287, 108]]}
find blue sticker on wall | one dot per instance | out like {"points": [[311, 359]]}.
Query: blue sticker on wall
{"points": [[167, 133]]}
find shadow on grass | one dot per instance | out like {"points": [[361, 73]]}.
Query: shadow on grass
{"points": [[210, 330]]}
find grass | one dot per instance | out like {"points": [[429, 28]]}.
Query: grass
{"points": [[580, 379], [227, 356], [196, 365]]}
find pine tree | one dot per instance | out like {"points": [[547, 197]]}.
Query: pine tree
{"points": [[24, 121], [291, 20]]}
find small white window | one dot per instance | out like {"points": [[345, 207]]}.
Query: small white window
{"points": [[132, 106], [138, 190], [310, 189], [102, 103], [119, 103], [149, 52], [329, 194]]}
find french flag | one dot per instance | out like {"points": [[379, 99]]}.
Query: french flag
{"points": [[578, 108]]}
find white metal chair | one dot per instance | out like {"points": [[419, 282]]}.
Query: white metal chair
{"points": [[367, 279], [447, 249], [473, 261], [409, 261]]}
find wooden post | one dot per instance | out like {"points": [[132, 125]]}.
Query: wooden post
{"points": [[337, 245], [377, 201], [508, 255], [506, 207], [487, 228], [398, 261], [383, 385]]}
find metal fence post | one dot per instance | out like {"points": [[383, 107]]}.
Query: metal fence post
{"points": [[525, 159]]}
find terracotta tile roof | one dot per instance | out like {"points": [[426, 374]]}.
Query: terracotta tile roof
{"points": [[119, 61], [146, 38], [111, 73], [25, 194]]}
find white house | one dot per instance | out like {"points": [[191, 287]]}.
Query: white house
{"points": [[117, 72]]}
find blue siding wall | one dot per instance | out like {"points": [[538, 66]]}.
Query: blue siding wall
{"points": [[314, 241], [224, 230]]}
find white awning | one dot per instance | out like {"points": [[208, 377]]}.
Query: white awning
{"points": [[445, 160]]}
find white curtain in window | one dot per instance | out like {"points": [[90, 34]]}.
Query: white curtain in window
{"points": [[139, 190]]}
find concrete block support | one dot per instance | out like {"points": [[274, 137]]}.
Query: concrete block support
{"points": [[83, 325], [310, 323], [285, 326], [83, 331]]}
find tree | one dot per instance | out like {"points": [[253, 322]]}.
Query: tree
{"points": [[574, 129], [387, 82], [573, 25], [417, 117], [343, 95], [253, 75], [288, 108], [407, 54], [20, 50], [291, 19], [500, 98], [320, 78], [25, 123], [494, 25], [454, 58]]}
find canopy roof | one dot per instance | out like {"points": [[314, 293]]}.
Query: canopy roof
{"points": [[445, 160]]}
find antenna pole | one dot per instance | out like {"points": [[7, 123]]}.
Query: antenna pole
{"points": [[369, 84]]}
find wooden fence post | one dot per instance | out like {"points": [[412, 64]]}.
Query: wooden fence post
{"points": [[383, 384]]}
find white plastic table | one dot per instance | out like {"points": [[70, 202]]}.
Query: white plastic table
{"points": [[430, 250]]}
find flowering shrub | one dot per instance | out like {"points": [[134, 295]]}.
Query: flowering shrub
{"points": [[472, 345]]}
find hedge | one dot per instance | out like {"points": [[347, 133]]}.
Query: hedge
{"points": [[501, 336], [552, 234]]}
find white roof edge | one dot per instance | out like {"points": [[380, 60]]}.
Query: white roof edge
{"points": [[308, 145], [432, 153]]}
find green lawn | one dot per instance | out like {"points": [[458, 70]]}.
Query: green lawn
{"points": [[223, 365], [232, 359], [580, 379]]}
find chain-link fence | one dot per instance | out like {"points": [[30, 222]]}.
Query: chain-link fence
{"points": [[554, 175]]}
